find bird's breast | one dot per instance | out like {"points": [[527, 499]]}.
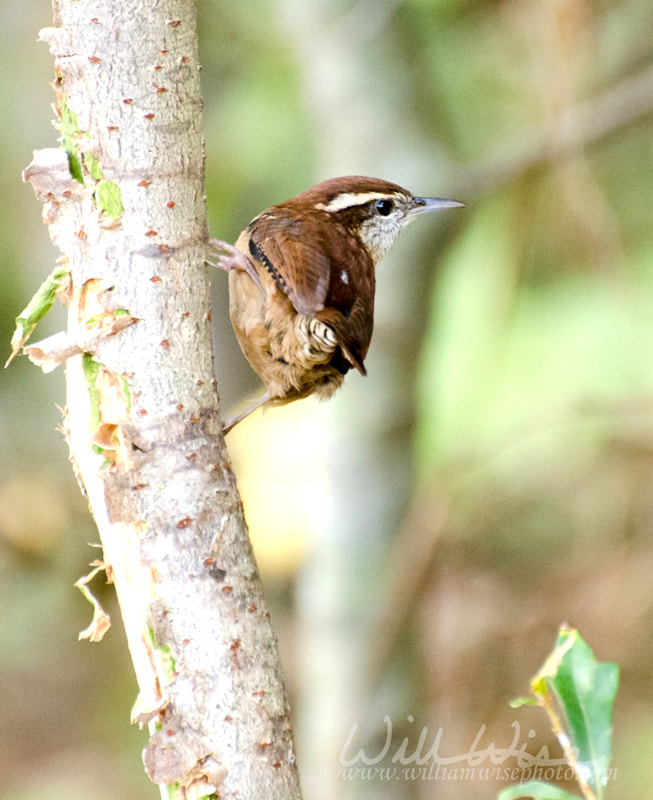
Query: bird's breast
{"points": [[289, 351]]}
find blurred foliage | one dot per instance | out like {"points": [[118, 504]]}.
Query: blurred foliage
{"points": [[526, 414]]}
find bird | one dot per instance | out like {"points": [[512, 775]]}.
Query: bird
{"points": [[302, 283]]}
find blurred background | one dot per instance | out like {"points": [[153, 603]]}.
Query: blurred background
{"points": [[423, 535]]}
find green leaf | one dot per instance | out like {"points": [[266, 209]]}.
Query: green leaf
{"points": [[36, 309], [91, 370], [70, 132], [586, 690], [565, 641], [518, 702], [93, 166], [126, 391], [538, 790], [108, 198]]}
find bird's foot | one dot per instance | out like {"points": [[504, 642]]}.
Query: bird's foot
{"points": [[226, 257], [233, 421]]}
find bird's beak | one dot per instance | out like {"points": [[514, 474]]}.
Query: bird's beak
{"points": [[424, 204]]}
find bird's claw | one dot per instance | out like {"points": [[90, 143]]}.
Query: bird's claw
{"points": [[228, 257]]}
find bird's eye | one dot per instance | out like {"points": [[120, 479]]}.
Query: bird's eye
{"points": [[384, 207]]}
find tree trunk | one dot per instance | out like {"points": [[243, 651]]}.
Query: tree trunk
{"points": [[124, 201]]}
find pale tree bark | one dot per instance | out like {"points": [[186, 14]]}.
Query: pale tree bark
{"points": [[125, 205]]}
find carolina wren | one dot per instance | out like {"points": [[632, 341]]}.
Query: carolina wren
{"points": [[301, 282]]}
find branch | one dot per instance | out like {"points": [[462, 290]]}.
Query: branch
{"points": [[125, 205], [575, 128]]}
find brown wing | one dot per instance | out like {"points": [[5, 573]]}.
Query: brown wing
{"points": [[300, 268], [322, 269]]}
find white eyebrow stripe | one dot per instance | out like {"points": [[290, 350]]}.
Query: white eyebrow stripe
{"points": [[349, 199]]}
